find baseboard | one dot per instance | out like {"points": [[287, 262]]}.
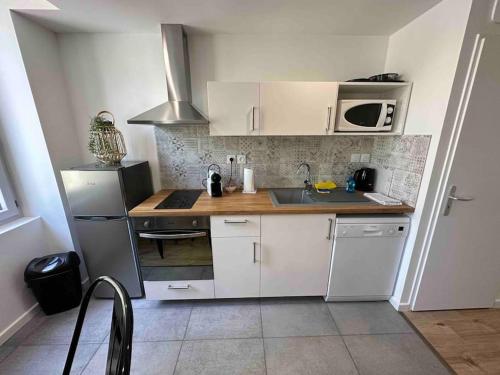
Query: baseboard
{"points": [[496, 305], [356, 299], [17, 324], [398, 305]]}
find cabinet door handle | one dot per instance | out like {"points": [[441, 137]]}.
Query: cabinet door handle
{"points": [[329, 118], [255, 252], [235, 221], [330, 227], [253, 118]]}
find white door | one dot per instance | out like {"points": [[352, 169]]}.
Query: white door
{"points": [[236, 267], [233, 108], [462, 269], [295, 254], [297, 108]]}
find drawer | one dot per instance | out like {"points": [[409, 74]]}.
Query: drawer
{"points": [[185, 289], [235, 226]]}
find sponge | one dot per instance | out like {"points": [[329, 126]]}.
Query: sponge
{"points": [[325, 185]]}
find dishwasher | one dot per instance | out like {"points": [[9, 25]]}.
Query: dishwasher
{"points": [[366, 257]]}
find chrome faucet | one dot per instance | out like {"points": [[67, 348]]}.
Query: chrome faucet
{"points": [[308, 182]]}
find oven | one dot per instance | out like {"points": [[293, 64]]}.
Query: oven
{"points": [[365, 115], [175, 256]]}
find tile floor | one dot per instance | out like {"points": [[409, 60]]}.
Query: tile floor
{"points": [[279, 336]]}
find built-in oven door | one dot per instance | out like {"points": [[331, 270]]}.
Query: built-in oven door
{"points": [[365, 115], [171, 255], [176, 264]]}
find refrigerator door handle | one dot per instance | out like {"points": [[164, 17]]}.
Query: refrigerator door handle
{"points": [[100, 218]]}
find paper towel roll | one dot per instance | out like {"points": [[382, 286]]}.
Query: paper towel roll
{"points": [[248, 181]]}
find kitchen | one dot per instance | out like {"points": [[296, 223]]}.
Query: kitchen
{"points": [[270, 116]]}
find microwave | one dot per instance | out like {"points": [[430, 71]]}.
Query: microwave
{"points": [[365, 115]]}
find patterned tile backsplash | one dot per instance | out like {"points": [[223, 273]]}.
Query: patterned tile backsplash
{"points": [[400, 163], [185, 152]]}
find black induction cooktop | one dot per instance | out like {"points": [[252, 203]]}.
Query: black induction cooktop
{"points": [[179, 199]]}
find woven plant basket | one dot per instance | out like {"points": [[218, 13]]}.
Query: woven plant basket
{"points": [[105, 141]]}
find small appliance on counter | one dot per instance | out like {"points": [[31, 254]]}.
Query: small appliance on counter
{"points": [[365, 179], [214, 181]]}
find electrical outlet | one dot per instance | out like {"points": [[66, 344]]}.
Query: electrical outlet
{"points": [[228, 159], [365, 158], [241, 159], [355, 158]]}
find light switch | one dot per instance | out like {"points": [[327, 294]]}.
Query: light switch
{"points": [[355, 158], [365, 158]]}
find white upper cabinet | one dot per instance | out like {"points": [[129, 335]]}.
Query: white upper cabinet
{"points": [[297, 108], [233, 108]]}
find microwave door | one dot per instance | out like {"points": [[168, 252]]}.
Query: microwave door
{"points": [[363, 117]]}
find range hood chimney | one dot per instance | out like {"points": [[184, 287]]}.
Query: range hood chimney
{"points": [[178, 109]]}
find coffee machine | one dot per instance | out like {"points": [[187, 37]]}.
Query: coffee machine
{"points": [[214, 181]]}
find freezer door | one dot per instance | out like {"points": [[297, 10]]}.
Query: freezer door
{"points": [[109, 250], [96, 193]]}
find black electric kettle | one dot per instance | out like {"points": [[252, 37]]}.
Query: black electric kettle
{"points": [[365, 179]]}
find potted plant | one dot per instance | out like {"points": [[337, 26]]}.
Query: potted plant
{"points": [[105, 141]]}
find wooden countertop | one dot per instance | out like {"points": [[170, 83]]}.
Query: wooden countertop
{"points": [[238, 203]]}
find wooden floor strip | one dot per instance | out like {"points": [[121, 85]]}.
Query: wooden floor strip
{"points": [[468, 340]]}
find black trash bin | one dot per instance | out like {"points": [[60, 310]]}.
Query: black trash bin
{"points": [[55, 281]]}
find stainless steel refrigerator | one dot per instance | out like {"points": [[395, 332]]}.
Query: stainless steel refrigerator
{"points": [[100, 197]]}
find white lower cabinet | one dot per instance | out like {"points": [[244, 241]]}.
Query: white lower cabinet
{"points": [[296, 252], [236, 267]]}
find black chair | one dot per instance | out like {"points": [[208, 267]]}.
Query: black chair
{"points": [[120, 339]]}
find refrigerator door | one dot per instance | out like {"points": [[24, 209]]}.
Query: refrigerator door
{"points": [[94, 193], [108, 248]]}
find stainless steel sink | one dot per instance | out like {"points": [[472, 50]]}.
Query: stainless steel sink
{"points": [[298, 196], [290, 196]]}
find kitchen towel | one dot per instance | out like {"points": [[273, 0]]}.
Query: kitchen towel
{"points": [[248, 181]]}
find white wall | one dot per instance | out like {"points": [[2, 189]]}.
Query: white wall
{"points": [[426, 51], [29, 161], [124, 73], [40, 53], [281, 57], [17, 247], [23, 142], [121, 73]]}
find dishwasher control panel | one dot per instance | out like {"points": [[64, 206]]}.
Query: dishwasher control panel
{"points": [[372, 230]]}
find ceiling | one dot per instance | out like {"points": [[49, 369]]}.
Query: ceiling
{"points": [[342, 17]]}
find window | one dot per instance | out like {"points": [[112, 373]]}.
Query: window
{"points": [[8, 204]]}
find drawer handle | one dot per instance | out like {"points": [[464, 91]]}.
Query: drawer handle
{"points": [[235, 221], [255, 252], [187, 286]]}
